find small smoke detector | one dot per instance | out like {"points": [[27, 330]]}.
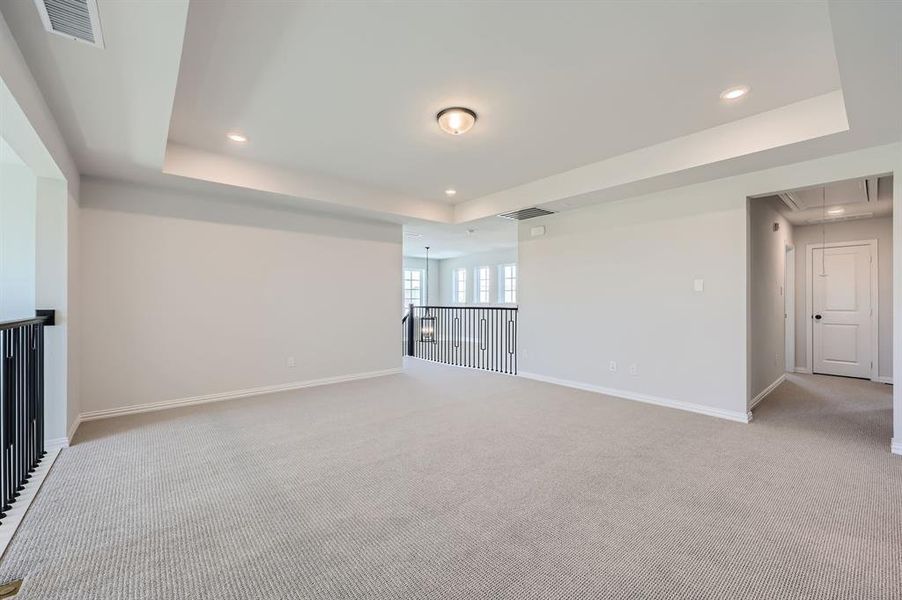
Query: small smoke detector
{"points": [[74, 19], [526, 213]]}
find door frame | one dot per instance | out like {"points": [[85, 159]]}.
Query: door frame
{"points": [[789, 308], [809, 301]]}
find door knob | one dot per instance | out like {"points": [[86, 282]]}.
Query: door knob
{"points": [[818, 317]]}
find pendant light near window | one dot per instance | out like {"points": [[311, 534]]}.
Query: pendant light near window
{"points": [[427, 322]]}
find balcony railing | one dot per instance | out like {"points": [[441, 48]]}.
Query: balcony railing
{"points": [[466, 336], [21, 405]]}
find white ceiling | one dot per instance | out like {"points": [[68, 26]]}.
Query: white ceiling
{"points": [[851, 196], [579, 102], [351, 90]]}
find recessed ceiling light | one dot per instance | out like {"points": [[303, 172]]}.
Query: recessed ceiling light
{"points": [[236, 137], [734, 93], [836, 211], [450, 192], [456, 120]]}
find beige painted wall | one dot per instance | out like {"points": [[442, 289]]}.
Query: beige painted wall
{"points": [[767, 262], [186, 295], [845, 231]]}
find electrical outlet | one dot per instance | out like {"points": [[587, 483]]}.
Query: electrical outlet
{"points": [[290, 362], [612, 366], [634, 369]]}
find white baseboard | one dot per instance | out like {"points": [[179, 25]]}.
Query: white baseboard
{"points": [[221, 396], [18, 509], [71, 433], [884, 379], [896, 446], [761, 396], [730, 415], [63, 442], [803, 370]]}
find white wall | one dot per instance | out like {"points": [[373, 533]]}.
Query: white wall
{"points": [[411, 262], [614, 282], [72, 318], [847, 231], [18, 198], [767, 276], [29, 126], [897, 299], [186, 295], [471, 262], [51, 291]]}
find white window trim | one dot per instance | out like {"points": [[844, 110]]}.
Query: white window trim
{"points": [[404, 285], [455, 286], [502, 282], [477, 289]]}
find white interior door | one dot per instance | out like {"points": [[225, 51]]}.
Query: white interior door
{"points": [[842, 317]]}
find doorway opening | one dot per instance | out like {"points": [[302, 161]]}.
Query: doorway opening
{"points": [[820, 283]]}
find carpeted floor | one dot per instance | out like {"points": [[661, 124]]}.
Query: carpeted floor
{"points": [[447, 483]]}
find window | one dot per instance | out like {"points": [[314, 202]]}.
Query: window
{"points": [[413, 280], [483, 284], [509, 284], [460, 286]]}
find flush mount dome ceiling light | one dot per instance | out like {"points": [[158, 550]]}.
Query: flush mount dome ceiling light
{"points": [[450, 192], [236, 137], [734, 93], [456, 120]]}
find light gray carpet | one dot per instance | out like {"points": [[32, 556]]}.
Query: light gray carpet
{"points": [[447, 483]]}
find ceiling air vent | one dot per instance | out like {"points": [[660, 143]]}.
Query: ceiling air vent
{"points": [[75, 19], [526, 213]]}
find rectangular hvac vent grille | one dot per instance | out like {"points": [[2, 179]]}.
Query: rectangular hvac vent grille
{"points": [[526, 213], [74, 19]]}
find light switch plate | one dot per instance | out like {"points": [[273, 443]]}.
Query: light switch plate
{"points": [[699, 285]]}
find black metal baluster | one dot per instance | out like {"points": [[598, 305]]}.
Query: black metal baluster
{"points": [[496, 343], [5, 474], [9, 402], [489, 340], [20, 410], [39, 404]]}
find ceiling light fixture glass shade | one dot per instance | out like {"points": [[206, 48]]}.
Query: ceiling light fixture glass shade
{"points": [[734, 93], [450, 192], [237, 137], [456, 120]]}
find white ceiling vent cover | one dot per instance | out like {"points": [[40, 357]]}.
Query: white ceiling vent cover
{"points": [[75, 19]]}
